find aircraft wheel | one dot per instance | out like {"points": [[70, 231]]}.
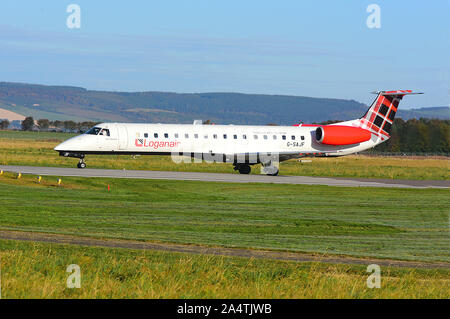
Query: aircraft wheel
{"points": [[244, 169], [270, 170], [274, 174], [81, 165]]}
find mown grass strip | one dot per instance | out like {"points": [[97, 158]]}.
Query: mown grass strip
{"points": [[408, 224]]}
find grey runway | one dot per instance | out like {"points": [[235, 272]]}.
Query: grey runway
{"points": [[215, 177]]}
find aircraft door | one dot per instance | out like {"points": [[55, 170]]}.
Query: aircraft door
{"points": [[123, 137]]}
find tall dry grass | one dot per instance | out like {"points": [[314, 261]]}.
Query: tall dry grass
{"points": [[39, 271]]}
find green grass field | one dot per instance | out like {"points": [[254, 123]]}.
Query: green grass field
{"points": [[36, 136], [36, 149], [409, 224], [32, 270], [390, 223]]}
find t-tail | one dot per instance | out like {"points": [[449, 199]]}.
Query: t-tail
{"points": [[380, 116]]}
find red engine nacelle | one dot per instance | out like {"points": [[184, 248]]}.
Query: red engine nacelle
{"points": [[341, 135]]}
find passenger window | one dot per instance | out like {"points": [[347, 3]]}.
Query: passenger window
{"points": [[206, 136], [145, 134], [224, 136], [293, 137], [303, 138], [265, 137], [244, 137], [195, 135], [283, 137], [215, 136], [186, 135], [156, 135], [166, 135], [274, 137], [235, 137], [255, 137], [176, 135]]}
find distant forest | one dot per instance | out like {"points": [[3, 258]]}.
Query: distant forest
{"points": [[418, 136]]}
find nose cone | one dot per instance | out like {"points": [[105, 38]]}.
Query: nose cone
{"points": [[72, 144], [60, 147], [64, 146]]}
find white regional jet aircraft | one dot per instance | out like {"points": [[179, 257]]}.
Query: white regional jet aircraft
{"points": [[238, 144]]}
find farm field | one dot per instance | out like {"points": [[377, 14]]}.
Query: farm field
{"points": [[36, 149], [37, 270], [403, 224]]}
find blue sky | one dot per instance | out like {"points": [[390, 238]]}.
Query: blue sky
{"points": [[306, 48]]}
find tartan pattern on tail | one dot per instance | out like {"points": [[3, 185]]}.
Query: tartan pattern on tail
{"points": [[381, 114]]}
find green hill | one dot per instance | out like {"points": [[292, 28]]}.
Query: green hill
{"points": [[439, 112], [79, 104]]}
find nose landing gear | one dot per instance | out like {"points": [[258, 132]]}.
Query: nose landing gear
{"points": [[81, 163]]}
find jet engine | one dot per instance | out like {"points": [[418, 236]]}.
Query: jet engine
{"points": [[341, 135]]}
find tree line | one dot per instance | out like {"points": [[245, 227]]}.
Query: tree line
{"points": [[29, 124], [418, 136]]}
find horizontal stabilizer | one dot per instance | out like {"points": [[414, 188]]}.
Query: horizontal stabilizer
{"points": [[397, 92]]}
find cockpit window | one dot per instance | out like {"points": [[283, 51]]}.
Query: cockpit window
{"points": [[94, 131], [104, 132], [98, 131]]}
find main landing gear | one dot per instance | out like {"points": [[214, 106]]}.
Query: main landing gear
{"points": [[81, 163], [243, 168], [268, 169]]}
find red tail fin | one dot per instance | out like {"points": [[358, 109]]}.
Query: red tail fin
{"points": [[380, 116]]}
